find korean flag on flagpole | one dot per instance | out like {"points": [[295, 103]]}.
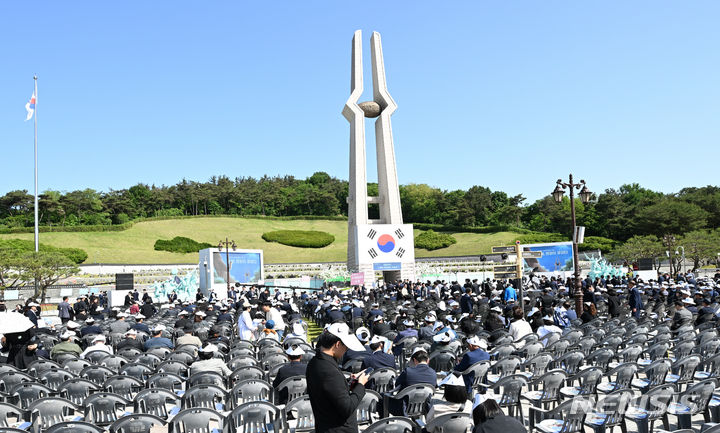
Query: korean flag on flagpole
{"points": [[30, 107]]}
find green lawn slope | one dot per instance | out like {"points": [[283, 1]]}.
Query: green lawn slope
{"points": [[135, 245]]}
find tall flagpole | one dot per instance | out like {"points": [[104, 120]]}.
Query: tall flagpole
{"points": [[37, 237]]}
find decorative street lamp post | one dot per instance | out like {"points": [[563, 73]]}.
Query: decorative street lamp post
{"points": [[585, 195], [227, 244]]}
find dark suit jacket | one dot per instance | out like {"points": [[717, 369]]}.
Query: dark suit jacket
{"points": [[290, 370], [333, 402]]}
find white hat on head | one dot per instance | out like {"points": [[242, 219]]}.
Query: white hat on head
{"points": [[139, 316], [99, 337], [295, 350], [210, 348], [496, 309], [441, 306], [377, 318], [342, 331], [363, 334], [200, 313], [378, 339], [183, 313], [298, 329], [33, 304], [688, 301], [131, 332], [159, 328], [477, 341], [430, 318], [67, 335], [443, 337], [408, 322], [452, 380], [72, 325], [89, 320], [417, 349], [533, 311]]}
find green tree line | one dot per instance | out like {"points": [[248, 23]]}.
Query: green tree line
{"points": [[617, 214]]}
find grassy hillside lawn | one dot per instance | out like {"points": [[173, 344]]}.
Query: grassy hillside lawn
{"points": [[135, 245]]}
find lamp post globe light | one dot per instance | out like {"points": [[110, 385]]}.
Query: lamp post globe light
{"points": [[227, 244], [585, 195]]}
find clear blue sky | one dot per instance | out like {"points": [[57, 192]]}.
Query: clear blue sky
{"points": [[509, 95]]}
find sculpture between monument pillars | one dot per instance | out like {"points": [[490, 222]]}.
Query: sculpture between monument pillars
{"points": [[385, 244]]}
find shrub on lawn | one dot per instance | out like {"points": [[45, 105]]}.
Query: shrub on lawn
{"points": [[300, 238], [180, 244], [76, 255], [432, 240]]}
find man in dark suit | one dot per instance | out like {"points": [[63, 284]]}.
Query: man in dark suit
{"points": [[417, 372], [295, 368], [477, 351], [90, 328], [379, 326], [379, 358]]}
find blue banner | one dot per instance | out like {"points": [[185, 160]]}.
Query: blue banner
{"points": [[387, 266]]}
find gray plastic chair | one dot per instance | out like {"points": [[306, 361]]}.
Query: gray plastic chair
{"points": [[567, 417], [694, 400], [255, 417], [510, 388], [250, 390], [246, 372], [104, 408], [301, 410], [611, 411], [397, 424], [136, 423], [46, 412], [294, 387], [138, 371], [204, 396], [623, 374], [651, 407], [683, 370], [77, 389], [10, 379], [548, 389], [8, 410], [451, 423], [23, 394], [74, 427], [655, 374], [382, 380], [154, 401], [170, 381], [196, 420], [588, 381], [53, 378], [414, 397], [367, 407]]}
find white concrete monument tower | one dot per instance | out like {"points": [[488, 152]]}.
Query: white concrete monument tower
{"points": [[385, 244]]}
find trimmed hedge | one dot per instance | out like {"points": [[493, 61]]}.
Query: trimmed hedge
{"points": [[300, 238], [470, 229], [180, 244], [122, 227], [76, 255], [540, 238], [431, 240]]}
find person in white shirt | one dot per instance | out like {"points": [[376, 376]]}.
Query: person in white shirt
{"points": [[548, 328], [98, 345], [519, 327], [271, 313], [246, 326]]}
